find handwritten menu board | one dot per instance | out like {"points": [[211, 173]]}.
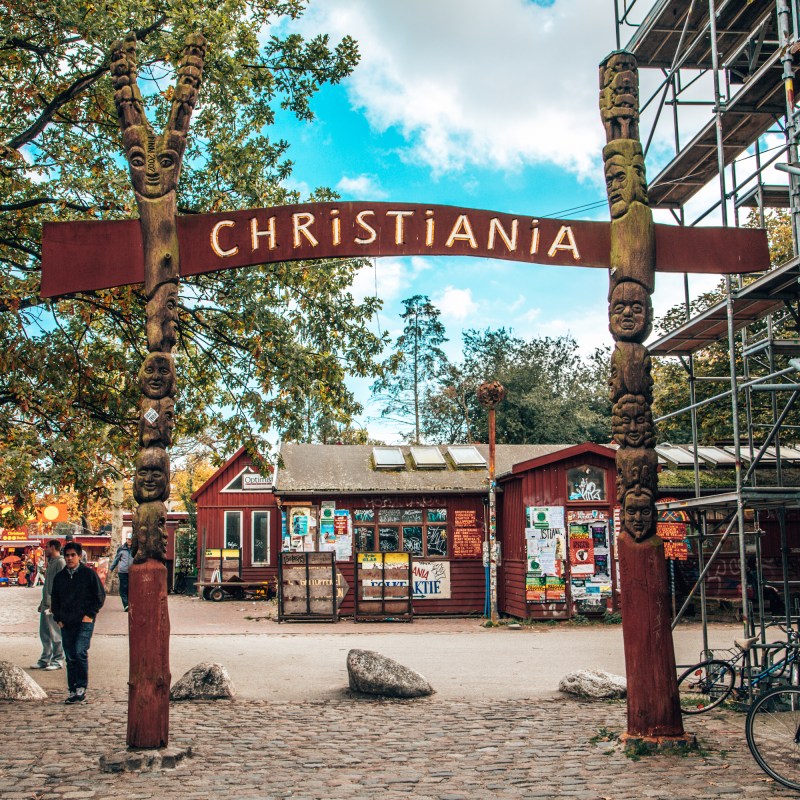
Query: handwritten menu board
{"points": [[467, 536]]}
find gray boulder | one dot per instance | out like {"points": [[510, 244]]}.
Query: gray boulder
{"points": [[372, 673], [596, 684], [16, 684], [206, 681]]}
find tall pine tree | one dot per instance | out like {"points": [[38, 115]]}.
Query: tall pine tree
{"points": [[416, 362]]}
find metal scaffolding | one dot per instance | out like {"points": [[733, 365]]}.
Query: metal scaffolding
{"points": [[738, 61]]}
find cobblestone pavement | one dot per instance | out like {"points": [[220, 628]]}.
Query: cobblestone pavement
{"points": [[357, 748]]}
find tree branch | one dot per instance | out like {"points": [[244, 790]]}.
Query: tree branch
{"points": [[70, 93], [38, 201]]}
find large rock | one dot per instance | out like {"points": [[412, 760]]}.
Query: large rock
{"points": [[595, 684], [372, 673], [16, 684], [206, 681]]}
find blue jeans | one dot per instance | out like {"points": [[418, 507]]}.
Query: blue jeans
{"points": [[123, 588], [76, 640]]}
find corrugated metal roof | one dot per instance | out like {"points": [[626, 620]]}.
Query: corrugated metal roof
{"points": [[350, 469]]}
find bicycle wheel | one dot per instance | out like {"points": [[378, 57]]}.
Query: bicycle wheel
{"points": [[705, 685], [773, 735]]}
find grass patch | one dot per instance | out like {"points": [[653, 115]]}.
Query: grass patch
{"points": [[604, 735]]}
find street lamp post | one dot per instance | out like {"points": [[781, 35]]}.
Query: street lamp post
{"points": [[490, 395]]}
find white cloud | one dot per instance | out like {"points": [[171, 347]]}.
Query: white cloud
{"points": [[456, 304], [388, 278], [361, 187], [474, 83], [518, 303], [531, 315]]}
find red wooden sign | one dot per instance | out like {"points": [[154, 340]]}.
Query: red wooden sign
{"points": [[678, 551], [86, 256], [675, 531]]}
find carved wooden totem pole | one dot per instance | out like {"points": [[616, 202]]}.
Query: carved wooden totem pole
{"points": [[653, 706], [155, 164]]}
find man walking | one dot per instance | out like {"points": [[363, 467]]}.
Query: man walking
{"points": [[52, 656], [76, 599], [124, 559]]}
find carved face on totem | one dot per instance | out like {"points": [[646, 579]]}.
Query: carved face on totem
{"points": [[639, 513], [156, 423], [619, 96], [149, 532], [632, 422], [625, 182], [154, 161], [151, 479], [630, 312], [157, 376], [637, 466], [630, 371], [162, 318]]}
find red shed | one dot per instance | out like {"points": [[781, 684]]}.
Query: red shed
{"points": [[556, 519], [238, 520]]}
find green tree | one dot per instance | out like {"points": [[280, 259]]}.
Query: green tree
{"points": [[553, 395], [416, 362], [251, 341]]}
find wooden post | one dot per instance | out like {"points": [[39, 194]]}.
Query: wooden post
{"points": [[490, 395], [653, 703], [150, 679], [155, 165]]}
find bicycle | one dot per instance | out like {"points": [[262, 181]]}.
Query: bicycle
{"points": [[709, 684], [773, 734]]}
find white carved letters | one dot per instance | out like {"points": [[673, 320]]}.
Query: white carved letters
{"points": [[407, 228]]}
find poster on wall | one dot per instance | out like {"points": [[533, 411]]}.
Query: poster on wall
{"points": [[535, 588], [327, 537], [581, 555], [431, 580], [555, 590], [467, 534], [544, 540], [301, 536], [343, 528], [544, 517]]}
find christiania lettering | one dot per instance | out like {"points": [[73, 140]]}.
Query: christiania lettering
{"points": [[305, 231]]}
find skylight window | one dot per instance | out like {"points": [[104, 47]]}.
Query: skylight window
{"points": [[428, 458], [466, 457], [388, 458], [675, 455]]}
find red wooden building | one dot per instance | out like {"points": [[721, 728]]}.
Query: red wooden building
{"points": [[556, 525], [427, 501]]}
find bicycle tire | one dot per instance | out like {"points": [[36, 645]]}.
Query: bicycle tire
{"points": [[705, 686], [773, 735]]}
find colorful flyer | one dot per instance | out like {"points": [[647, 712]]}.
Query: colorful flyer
{"points": [[581, 555], [555, 590], [535, 589]]}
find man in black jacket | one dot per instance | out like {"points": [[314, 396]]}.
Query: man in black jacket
{"points": [[76, 598]]}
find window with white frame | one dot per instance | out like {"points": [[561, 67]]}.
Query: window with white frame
{"points": [[233, 530], [259, 531]]}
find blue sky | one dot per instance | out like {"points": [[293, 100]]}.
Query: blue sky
{"points": [[484, 105]]}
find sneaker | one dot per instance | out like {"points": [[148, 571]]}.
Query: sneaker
{"points": [[51, 667], [78, 697], [38, 665], [124, 608]]}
